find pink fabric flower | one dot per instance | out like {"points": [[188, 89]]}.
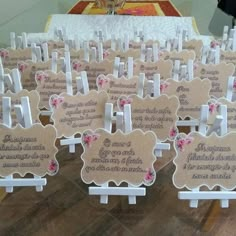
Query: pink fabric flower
{"points": [[53, 166], [76, 65], [124, 101], [102, 81], [214, 44], [173, 132], [105, 54], [213, 107], [163, 86], [95, 136], [41, 76], [181, 142], [188, 140], [4, 53], [22, 66], [56, 101], [149, 176], [89, 138]]}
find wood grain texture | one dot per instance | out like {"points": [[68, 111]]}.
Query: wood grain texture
{"points": [[65, 208]]}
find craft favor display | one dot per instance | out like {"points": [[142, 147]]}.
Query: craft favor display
{"points": [[217, 74], [74, 114], [120, 73], [26, 150], [156, 114], [118, 86], [188, 95], [118, 157], [205, 161]]}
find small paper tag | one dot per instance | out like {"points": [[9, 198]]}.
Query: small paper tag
{"points": [[74, 114], [74, 55], [28, 71], [188, 94], [123, 55], [117, 86], [30, 150], [228, 57], [16, 100], [106, 44], [202, 160], [118, 157], [156, 114], [49, 83], [93, 69], [217, 74], [162, 67], [10, 57], [54, 45], [137, 45], [184, 56], [195, 45]]}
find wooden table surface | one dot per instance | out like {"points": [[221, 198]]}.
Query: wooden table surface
{"points": [[65, 208]]}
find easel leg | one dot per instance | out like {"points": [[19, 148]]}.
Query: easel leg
{"points": [[10, 188], [104, 198], [132, 199]]}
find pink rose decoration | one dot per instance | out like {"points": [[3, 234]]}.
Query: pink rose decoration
{"points": [[89, 138], [76, 65], [149, 176], [41, 76], [4, 53], [215, 43], [181, 142], [56, 101], [188, 140], [213, 107], [173, 132], [123, 102], [22, 66], [163, 86], [53, 166], [102, 80], [105, 54]]}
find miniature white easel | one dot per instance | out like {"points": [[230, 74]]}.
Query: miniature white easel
{"points": [[219, 126], [132, 192], [23, 113]]}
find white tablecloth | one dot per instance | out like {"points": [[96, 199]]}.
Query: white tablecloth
{"points": [[155, 27]]}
